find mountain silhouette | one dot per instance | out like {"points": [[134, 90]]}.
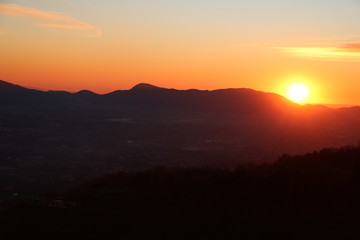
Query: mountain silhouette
{"points": [[144, 86], [6, 86], [148, 97], [86, 93], [12, 94]]}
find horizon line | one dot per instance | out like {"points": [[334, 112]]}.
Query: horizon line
{"points": [[331, 105]]}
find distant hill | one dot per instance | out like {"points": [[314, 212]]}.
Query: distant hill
{"points": [[14, 94], [6, 86], [152, 98], [144, 86]]}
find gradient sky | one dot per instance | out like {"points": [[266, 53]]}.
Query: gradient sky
{"points": [[206, 44]]}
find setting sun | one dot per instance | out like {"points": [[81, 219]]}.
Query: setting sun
{"points": [[298, 92]]}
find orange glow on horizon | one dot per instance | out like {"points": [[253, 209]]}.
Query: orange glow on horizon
{"points": [[53, 46], [302, 89]]}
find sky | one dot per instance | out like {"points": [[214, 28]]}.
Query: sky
{"points": [[106, 45]]}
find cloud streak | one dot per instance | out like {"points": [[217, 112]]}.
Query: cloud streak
{"points": [[352, 47], [346, 52], [50, 19]]}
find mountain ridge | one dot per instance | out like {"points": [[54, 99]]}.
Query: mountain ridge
{"points": [[139, 86], [148, 97]]}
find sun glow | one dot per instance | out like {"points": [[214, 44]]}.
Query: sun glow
{"points": [[298, 92]]}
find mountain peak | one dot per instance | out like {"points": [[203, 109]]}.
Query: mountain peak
{"points": [[144, 86], [85, 92]]}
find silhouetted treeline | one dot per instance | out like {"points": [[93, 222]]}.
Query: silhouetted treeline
{"points": [[312, 196]]}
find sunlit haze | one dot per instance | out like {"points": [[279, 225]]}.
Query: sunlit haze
{"points": [[298, 93], [109, 45]]}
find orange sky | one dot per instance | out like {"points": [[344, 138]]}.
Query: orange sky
{"points": [[108, 45]]}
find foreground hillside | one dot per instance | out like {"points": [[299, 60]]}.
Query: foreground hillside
{"points": [[312, 196]]}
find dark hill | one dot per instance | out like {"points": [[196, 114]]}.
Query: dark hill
{"points": [[85, 93], [11, 94], [312, 196], [6, 86], [144, 86], [15, 95], [146, 97], [152, 98]]}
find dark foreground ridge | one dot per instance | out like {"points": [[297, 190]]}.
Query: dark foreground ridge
{"points": [[312, 196]]}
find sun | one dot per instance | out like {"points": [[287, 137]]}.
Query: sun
{"points": [[298, 92]]}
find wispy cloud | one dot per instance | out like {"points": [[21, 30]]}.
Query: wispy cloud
{"points": [[352, 47], [50, 19], [345, 52]]}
